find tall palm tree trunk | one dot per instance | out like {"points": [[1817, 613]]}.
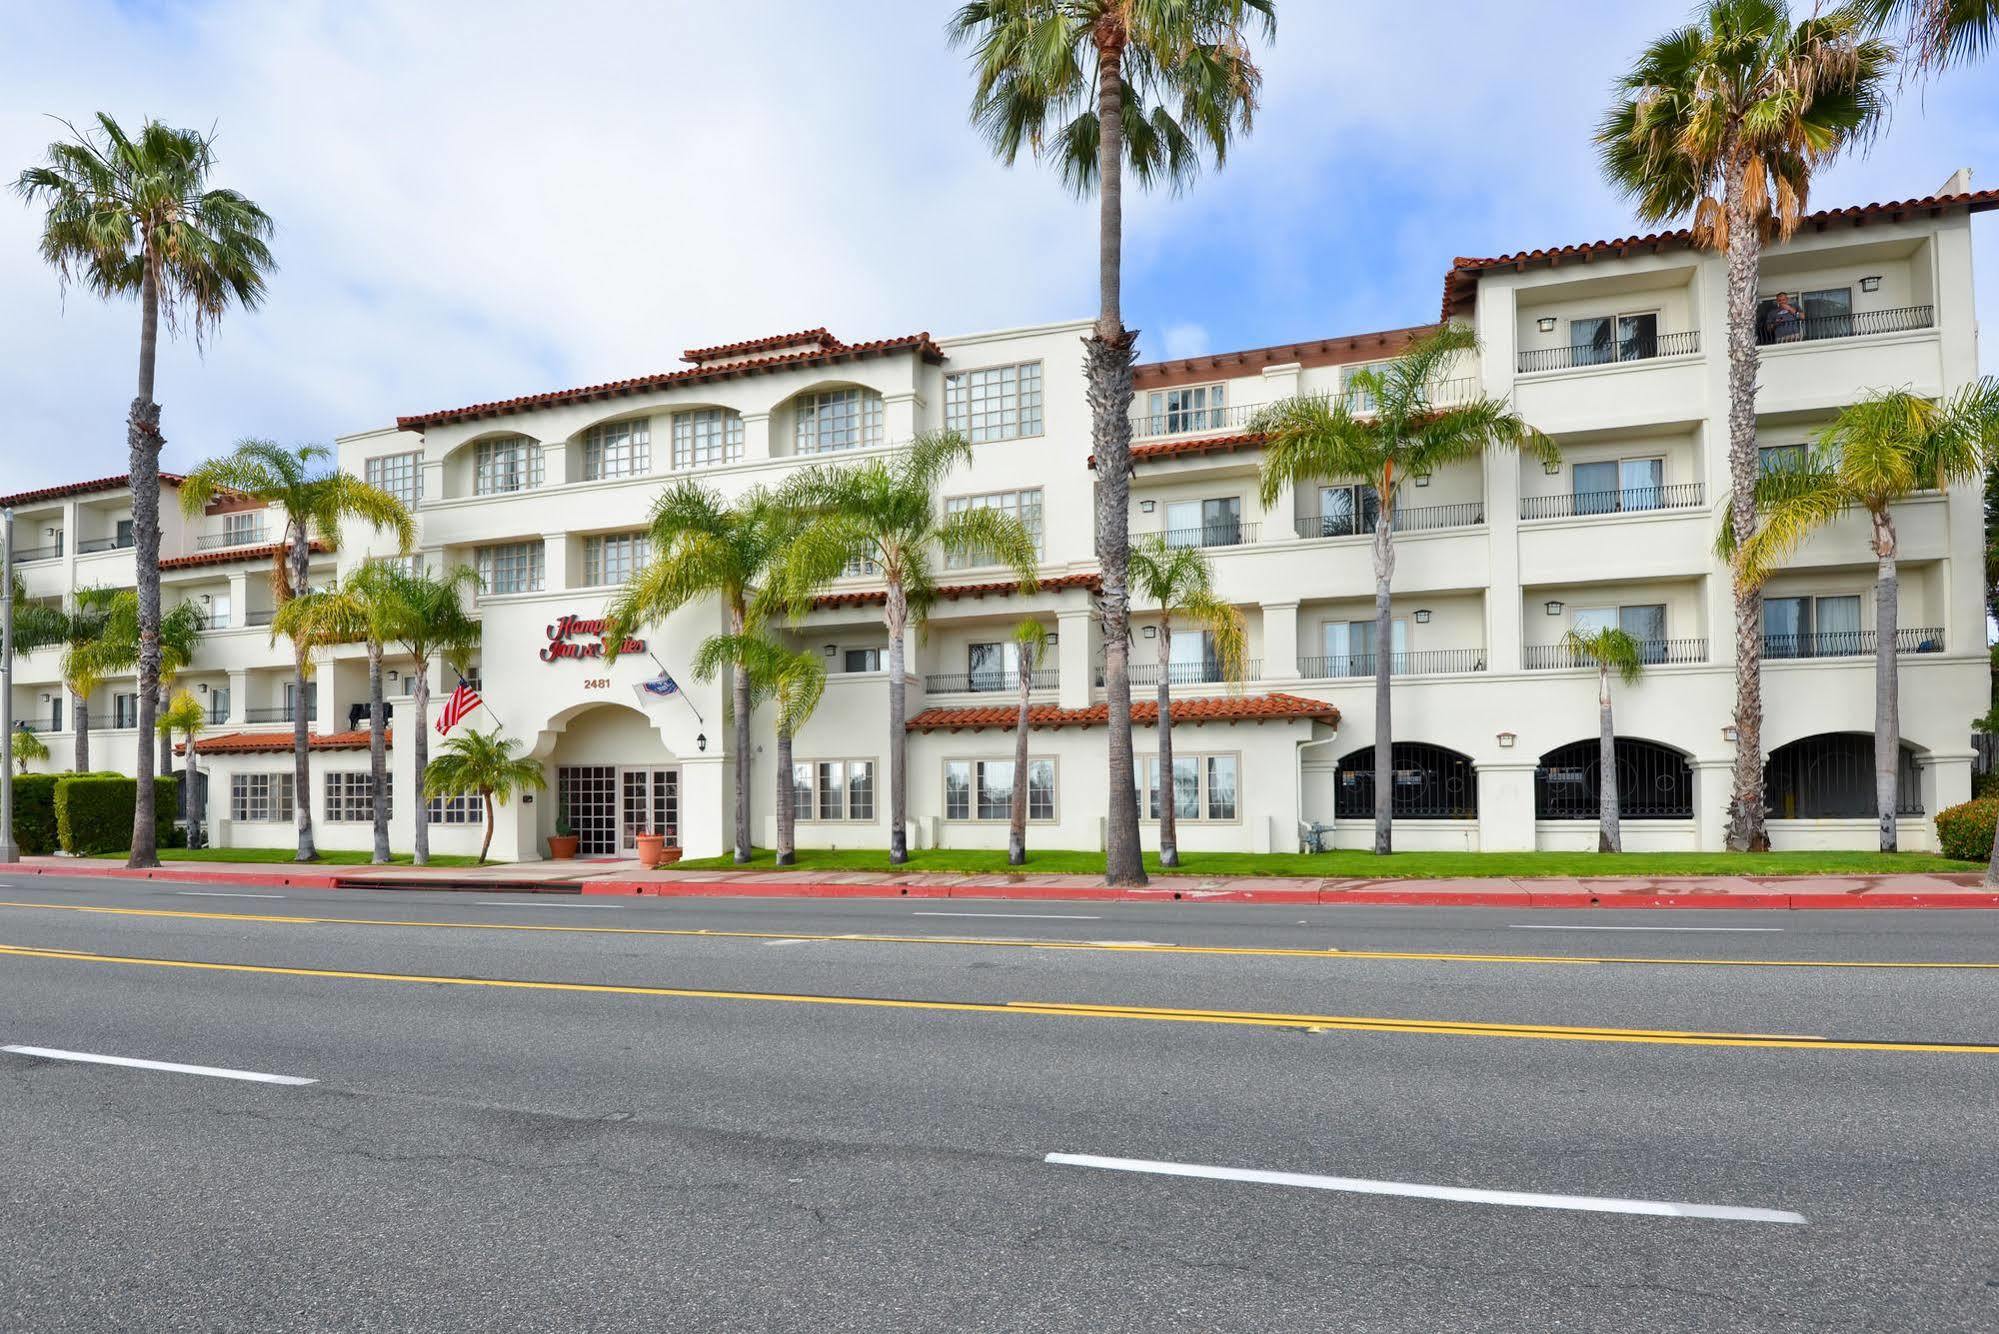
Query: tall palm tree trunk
{"points": [[308, 850], [142, 436], [163, 698], [1745, 818], [378, 755], [1887, 678], [80, 719], [1108, 357], [1384, 731], [486, 844], [1610, 830], [897, 614], [1016, 833], [420, 748], [1169, 826], [739, 705], [193, 803], [787, 814]]}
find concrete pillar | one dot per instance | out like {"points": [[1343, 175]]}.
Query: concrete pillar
{"points": [[433, 480], [1075, 662], [1280, 641], [706, 802], [899, 417], [1714, 779], [1506, 806], [556, 456], [239, 597], [756, 436], [1499, 329], [556, 563], [239, 697], [1946, 779]]}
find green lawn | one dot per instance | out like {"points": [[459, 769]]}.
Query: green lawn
{"points": [[261, 856], [1359, 865]]}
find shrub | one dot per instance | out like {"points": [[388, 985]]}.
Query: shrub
{"points": [[1986, 784], [94, 813], [35, 814], [1965, 831]]}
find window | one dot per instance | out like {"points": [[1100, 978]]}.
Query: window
{"points": [[1022, 505], [614, 558], [1813, 627], [1349, 647], [55, 713], [1204, 787], [221, 612], [1204, 523], [833, 790], [1782, 458], [1800, 316], [1596, 340], [839, 419], [1191, 658], [860, 567], [1430, 783], [124, 538], [1653, 781], [998, 403], [618, 449], [350, 797], [1610, 485], [708, 437], [1644, 622], [863, 660], [410, 565], [515, 567], [291, 703], [218, 705], [124, 710], [1195, 408], [1345, 511], [401, 475], [458, 808], [242, 527], [994, 666], [509, 463], [986, 787], [260, 798]]}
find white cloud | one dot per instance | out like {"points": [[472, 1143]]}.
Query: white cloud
{"points": [[1184, 340]]}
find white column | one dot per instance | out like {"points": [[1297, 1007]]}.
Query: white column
{"points": [[1714, 781], [239, 600], [899, 417], [433, 479], [1506, 806], [706, 800], [555, 470], [239, 697], [1498, 324], [1077, 668], [756, 436], [556, 571], [1280, 641]]}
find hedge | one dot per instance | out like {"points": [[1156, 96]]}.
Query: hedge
{"points": [[94, 811], [35, 814], [1965, 831]]}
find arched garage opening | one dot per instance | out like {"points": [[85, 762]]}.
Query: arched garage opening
{"points": [[1830, 776], [1654, 782], [1431, 783]]}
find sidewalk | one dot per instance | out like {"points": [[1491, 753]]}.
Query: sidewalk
{"points": [[1925, 890]]}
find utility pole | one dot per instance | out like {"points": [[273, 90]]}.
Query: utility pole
{"points": [[8, 852]]}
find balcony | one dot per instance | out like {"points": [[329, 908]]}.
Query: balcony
{"points": [[257, 618], [1851, 643], [1428, 662], [1630, 500], [1238, 416], [1416, 519], [1857, 324], [1651, 652], [1583, 355], [951, 683], [1229, 533], [94, 544], [235, 537], [1187, 673], [39, 726], [22, 555], [281, 713]]}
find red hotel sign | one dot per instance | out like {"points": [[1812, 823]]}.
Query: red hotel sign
{"points": [[562, 641]]}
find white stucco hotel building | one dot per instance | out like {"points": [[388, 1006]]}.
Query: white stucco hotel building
{"points": [[1613, 348]]}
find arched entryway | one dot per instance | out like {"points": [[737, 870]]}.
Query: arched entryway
{"points": [[1654, 782], [1431, 783], [1830, 776], [613, 777]]}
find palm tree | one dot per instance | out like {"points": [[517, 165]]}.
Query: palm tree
{"points": [[1319, 438], [1875, 453], [313, 622], [485, 763], [883, 512], [702, 546], [1030, 640], [1611, 650], [315, 500], [180, 637], [795, 681], [184, 714], [1937, 33], [1178, 580], [427, 621], [28, 749], [82, 628], [1726, 121], [127, 216], [1098, 87]]}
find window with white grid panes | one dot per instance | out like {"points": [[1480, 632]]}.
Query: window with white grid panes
{"points": [[1204, 787], [513, 567], [260, 798], [707, 437], [508, 463], [996, 403], [614, 558], [350, 797], [1022, 505], [838, 419], [983, 789], [458, 808], [825, 790], [401, 475], [618, 449]]}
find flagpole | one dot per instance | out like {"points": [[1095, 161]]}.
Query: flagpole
{"points": [[682, 693], [482, 701]]}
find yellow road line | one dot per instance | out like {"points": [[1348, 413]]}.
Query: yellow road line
{"points": [[1057, 1009], [1085, 946]]}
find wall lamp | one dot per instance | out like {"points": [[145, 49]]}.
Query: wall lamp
{"points": [[1506, 740], [1423, 616], [1149, 632], [1422, 479], [1146, 506], [203, 687], [1552, 469], [701, 742], [1728, 733], [1871, 283], [1546, 324], [832, 649], [1554, 608]]}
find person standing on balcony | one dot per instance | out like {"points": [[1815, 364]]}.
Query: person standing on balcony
{"points": [[1784, 323]]}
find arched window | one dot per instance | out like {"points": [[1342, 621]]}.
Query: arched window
{"points": [[836, 419], [1831, 777], [1431, 783], [506, 463], [706, 437], [1654, 782]]}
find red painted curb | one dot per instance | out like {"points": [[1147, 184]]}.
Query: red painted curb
{"points": [[182, 877]]}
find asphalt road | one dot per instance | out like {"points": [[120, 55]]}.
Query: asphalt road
{"points": [[556, 1113]]}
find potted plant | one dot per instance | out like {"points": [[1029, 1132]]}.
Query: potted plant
{"points": [[651, 847], [562, 843], [671, 852]]}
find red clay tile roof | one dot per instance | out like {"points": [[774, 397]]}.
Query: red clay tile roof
{"points": [[256, 743], [1336, 351], [920, 343], [1006, 588], [1200, 444], [123, 479], [819, 336], [1461, 283], [232, 556], [1144, 713]]}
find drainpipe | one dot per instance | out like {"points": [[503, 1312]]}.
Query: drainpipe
{"points": [[1298, 773]]}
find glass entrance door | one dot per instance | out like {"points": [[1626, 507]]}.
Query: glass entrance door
{"points": [[589, 794], [650, 805]]}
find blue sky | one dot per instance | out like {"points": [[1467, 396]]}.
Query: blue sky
{"points": [[477, 201]]}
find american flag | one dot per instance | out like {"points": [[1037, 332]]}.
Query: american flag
{"points": [[463, 700]]}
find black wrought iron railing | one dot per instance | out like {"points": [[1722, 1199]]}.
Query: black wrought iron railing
{"points": [[103, 544], [281, 713], [1410, 519], [1426, 662], [1238, 416], [1233, 533], [1187, 673], [1774, 330], [39, 726], [258, 617], [1627, 500], [1042, 678], [1646, 347], [22, 555], [1653, 652], [1653, 782], [1851, 643], [237, 537]]}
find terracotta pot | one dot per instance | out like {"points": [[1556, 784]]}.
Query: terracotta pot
{"points": [[669, 856], [651, 847], [562, 847]]}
